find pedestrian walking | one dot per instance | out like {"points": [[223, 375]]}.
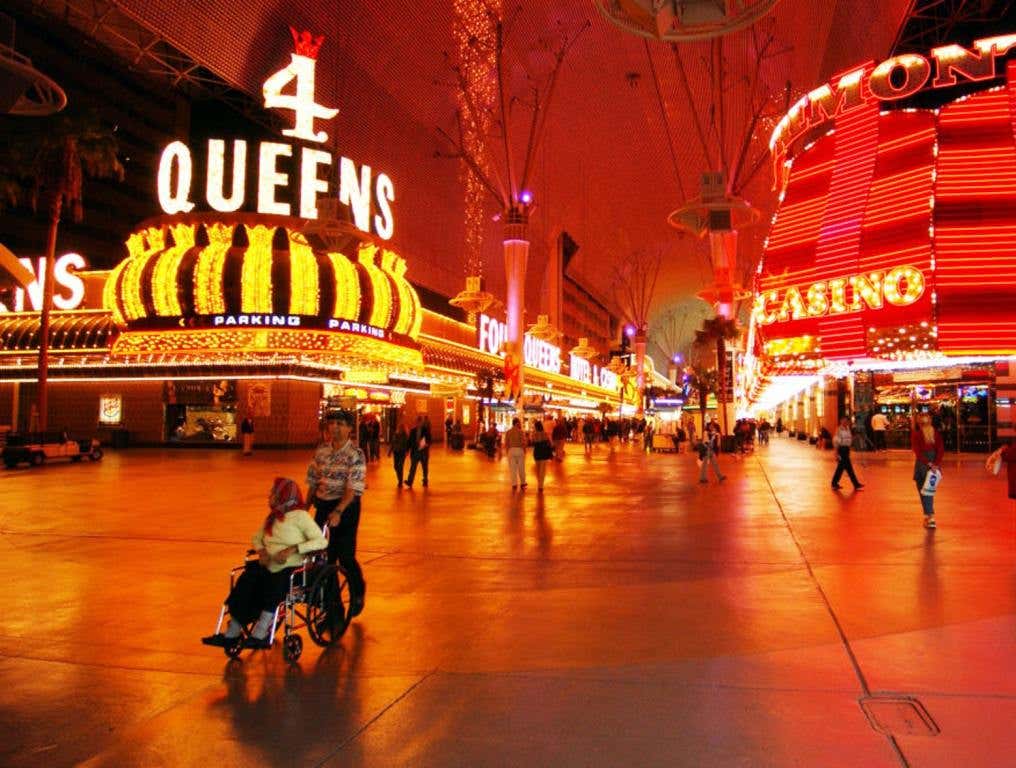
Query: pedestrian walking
{"points": [[708, 448], [928, 447], [336, 479], [247, 434], [1008, 455], [879, 424], [398, 448], [515, 443], [419, 449], [559, 434], [543, 451], [374, 439], [588, 435], [842, 440]]}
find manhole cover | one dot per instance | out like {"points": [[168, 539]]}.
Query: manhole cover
{"points": [[898, 716]]}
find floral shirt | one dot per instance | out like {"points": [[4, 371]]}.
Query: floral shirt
{"points": [[332, 469]]}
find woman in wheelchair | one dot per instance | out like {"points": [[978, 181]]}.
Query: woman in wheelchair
{"points": [[287, 535]]}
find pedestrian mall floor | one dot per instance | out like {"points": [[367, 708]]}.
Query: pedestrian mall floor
{"points": [[628, 616]]}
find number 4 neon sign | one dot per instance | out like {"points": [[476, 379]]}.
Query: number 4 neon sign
{"points": [[301, 69]]}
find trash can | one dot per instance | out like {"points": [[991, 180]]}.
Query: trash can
{"points": [[120, 438]]}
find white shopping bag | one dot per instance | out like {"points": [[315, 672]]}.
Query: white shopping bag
{"points": [[994, 462], [931, 481]]}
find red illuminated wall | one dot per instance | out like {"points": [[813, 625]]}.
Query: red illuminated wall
{"points": [[975, 222], [863, 198]]}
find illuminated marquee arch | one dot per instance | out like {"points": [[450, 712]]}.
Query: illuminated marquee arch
{"points": [[252, 285]]}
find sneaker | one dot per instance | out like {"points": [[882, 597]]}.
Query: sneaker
{"points": [[929, 522], [859, 486], [836, 487], [218, 640], [257, 643], [722, 478], [706, 482]]}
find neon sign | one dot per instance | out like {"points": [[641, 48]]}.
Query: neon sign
{"points": [[63, 275], [893, 79], [900, 287], [586, 372], [368, 196], [539, 354], [296, 321]]}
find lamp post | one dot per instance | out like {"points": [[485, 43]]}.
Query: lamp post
{"points": [[516, 256]]}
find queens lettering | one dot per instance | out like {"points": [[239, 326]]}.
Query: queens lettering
{"points": [[282, 171]]}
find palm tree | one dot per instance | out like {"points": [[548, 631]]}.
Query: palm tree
{"points": [[704, 381], [44, 166], [716, 332]]}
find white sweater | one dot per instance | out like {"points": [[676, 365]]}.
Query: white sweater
{"points": [[296, 529]]}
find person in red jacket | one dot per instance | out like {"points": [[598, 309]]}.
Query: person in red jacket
{"points": [[926, 443]]}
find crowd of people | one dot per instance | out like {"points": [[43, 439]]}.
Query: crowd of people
{"points": [[336, 481]]}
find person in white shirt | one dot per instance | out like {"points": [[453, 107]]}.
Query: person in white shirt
{"points": [[336, 479], [879, 423], [842, 441]]}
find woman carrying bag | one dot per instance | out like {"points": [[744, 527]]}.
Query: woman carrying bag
{"points": [[928, 447], [543, 451]]}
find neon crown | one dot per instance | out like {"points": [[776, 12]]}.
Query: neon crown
{"points": [[306, 44]]}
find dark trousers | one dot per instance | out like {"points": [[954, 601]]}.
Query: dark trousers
{"points": [[342, 540], [879, 439], [422, 458], [257, 590], [399, 460], [844, 465]]}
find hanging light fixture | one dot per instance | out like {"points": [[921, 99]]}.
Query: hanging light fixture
{"points": [[543, 329], [584, 350], [682, 21], [473, 300]]}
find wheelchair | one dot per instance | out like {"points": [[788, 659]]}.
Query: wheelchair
{"points": [[317, 600]]}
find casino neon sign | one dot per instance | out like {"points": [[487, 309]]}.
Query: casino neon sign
{"points": [[898, 287], [891, 80], [368, 196]]}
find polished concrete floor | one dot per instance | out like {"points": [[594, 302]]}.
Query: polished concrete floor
{"points": [[629, 616]]}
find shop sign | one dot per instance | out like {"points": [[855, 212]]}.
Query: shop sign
{"points": [[586, 372], [189, 392], [900, 287], [359, 188], [893, 79], [70, 290], [927, 374], [111, 410], [539, 354]]}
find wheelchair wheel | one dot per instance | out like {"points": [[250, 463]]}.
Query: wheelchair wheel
{"points": [[326, 606], [292, 647]]}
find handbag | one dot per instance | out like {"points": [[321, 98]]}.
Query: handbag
{"points": [[993, 464], [931, 481]]}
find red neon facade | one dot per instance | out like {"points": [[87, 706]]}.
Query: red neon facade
{"points": [[896, 237]]}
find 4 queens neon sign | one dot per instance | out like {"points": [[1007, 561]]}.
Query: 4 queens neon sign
{"points": [[891, 80], [368, 196]]}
